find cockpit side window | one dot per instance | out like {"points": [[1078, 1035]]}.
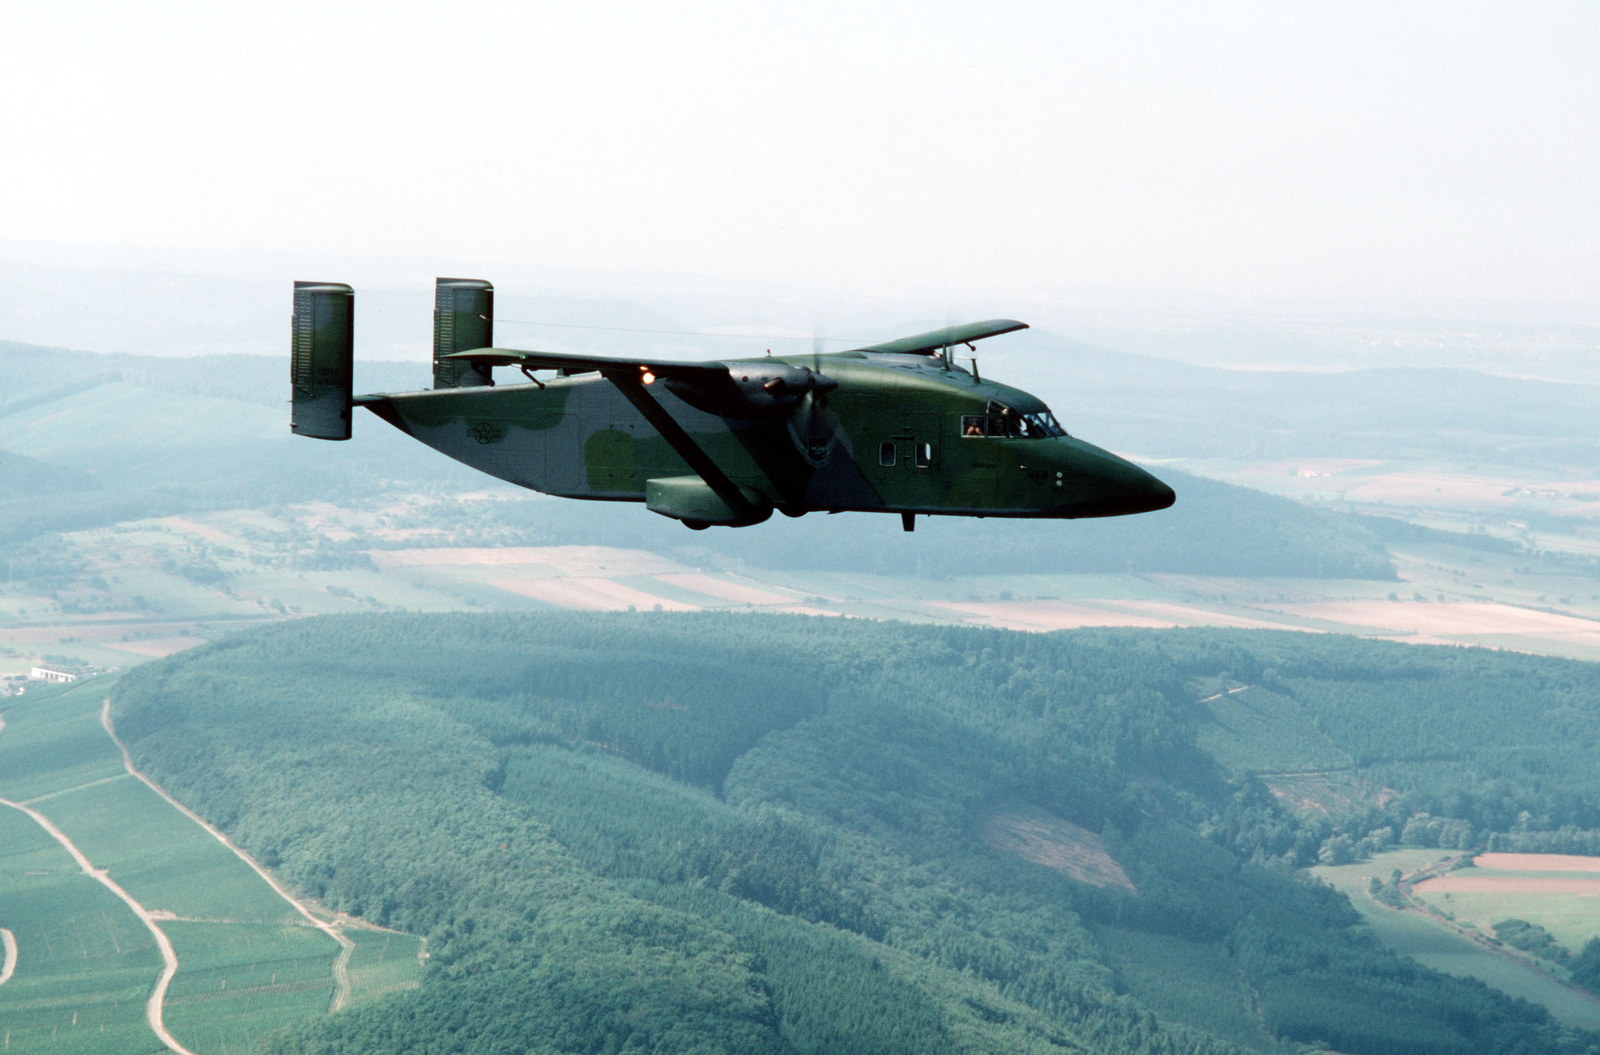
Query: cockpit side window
{"points": [[1044, 424], [1001, 420]]}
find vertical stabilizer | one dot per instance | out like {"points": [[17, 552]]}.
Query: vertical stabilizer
{"points": [[463, 319], [321, 354]]}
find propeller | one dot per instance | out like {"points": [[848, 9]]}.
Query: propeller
{"points": [[811, 425]]}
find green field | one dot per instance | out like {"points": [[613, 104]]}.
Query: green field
{"points": [[383, 962], [248, 963], [54, 745], [165, 860], [1433, 945], [238, 981], [1571, 918], [53, 741], [85, 964], [1254, 729]]}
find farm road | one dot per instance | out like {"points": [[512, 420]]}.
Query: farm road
{"points": [[341, 963], [169, 959], [10, 965]]}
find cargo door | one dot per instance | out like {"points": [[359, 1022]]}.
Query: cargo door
{"points": [[908, 460], [922, 463]]}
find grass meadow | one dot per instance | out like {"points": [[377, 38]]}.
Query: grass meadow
{"points": [[1434, 945], [1571, 916]]}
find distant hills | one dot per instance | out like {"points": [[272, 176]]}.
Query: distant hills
{"points": [[89, 440], [1160, 407], [92, 440]]}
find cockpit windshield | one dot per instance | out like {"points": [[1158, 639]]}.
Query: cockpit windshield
{"points": [[1001, 420]]}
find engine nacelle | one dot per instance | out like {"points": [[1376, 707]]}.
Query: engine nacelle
{"points": [[752, 391], [692, 500]]}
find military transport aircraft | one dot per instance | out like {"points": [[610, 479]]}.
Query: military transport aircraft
{"points": [[899, 427]]}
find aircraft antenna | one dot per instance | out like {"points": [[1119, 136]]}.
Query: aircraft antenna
{"points": [[973, 359]]}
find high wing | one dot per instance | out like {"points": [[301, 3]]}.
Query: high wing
{"points": [[938, 340], [748, 391], [587, 364]]}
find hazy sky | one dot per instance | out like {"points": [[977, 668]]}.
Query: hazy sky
{"points": [[1345, 150]]}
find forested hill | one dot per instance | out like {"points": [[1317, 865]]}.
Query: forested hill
{"points": [[722, 834]]}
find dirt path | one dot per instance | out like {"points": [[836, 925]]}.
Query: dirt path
{"points": [[10, 965], [169, 959], [77, 787], [341, 963]]}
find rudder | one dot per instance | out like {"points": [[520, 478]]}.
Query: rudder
{"points": [[463, 319], [321, 358]]}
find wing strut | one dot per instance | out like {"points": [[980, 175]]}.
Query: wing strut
{"points": [[630, 384]]}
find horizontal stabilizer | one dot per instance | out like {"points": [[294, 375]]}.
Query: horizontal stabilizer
{"points": [[949, 337]]}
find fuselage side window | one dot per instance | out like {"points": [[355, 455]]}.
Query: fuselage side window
{"points": [[886, 453], [923, 456]]}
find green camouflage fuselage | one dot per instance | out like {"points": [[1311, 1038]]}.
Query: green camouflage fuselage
{"points": [[895, 435]]}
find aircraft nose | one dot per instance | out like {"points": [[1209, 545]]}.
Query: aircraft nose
{"points": [[1111, 486], [1157, 495]]}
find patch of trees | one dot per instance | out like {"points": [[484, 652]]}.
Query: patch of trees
{"points": [[1393, 529], [723, 833], [1390, 893], [45, 564], [327, 555], [1531, 938], [1586, 965]]}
